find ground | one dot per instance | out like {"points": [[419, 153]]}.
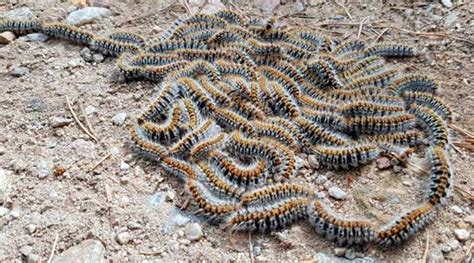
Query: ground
{"points": [[126, 194]]}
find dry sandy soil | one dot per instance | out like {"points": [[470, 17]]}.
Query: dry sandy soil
{"points": [[126, 194]]}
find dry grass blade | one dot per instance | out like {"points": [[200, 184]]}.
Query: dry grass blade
{"points": [[462, 131], [345, 10], [53, 249], [427, 245], [465, 193], [79, 122], [99, 162]]}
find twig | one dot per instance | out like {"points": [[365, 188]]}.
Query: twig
{"points": [[78, 121], [360, 28], [462, 131], [51, 255], [345, 10], [88, 124], [101, 161], [166, 8], [425, 253], [464, 192], [251, 247], [186, 6], [150, 253], [380, 35]]}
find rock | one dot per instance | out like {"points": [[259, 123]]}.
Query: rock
{"points": [[35, 37], [87, 251], [206, 7], [44, 168], [20, 71], [462, 234], [447, 3], [450, 19], [337, 193], [157, 199], [321, 179], [339, 251], [435, 257], [406, 183], [170, 196], [31, 228], [90, 110], [469, 219], [83, 148], [350, 254], [3, 211], [6, 37], [383, 163], [124, 201], [123, 238], [456, 209], [4, 182], [98, 58], [15, 214], [86, 54], [19, 13], [261, 259], [124, 166], [337, 17], [26, 250], [397, 169], [450, 245], [257, 250], [133, 225], [87, 15], [32, 258], [119, 118], [58, 122], [75, 62], [193, 231], [313, 161], [268, 6]]}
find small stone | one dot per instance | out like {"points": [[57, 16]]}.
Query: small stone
{"points": [[6, 37], [35, 37], [20, 71], [87, 251], [123, 238], [193, 231], [119, 118], [75, 62], [32, 258], [350, 253], [337, 193], [58, 122], [406, 183], [3, 211], [31, 228], [184, 241], [18, 13], [124, 166], [133, 225], [397, 169], [86, 54], [90, 110], [337, 17], [15, 214], [462, 234], [469, 219], [87, 15], [98, 58], [261, 259], [321, 179], [456, 209], [124, 180], [257, 250], [44, 168], [436, 256], [383, 163], [170, 196], [447, 3], [339, 251], [450, 245], [4, 182], [26, 250], [313, 161], [124, 201]]}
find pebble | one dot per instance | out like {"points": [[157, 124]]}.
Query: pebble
{"points": [[261, 259], [447, 3], [98, 58], [87, 251], [87, 15], [26, 250], [32, 258], [133, 225], [31, 228], [321, 179], [58, 122], [119, 118], [350, 254], [462, 234], [406, 183], [123, 238], [469, 219], [383, 163], [86, 54], [456, 209], [124, 201], [35, 37], [257, 250], [6, 37], [170, 196], [44, 168], [18, 13], [90, 110], [337, 193], [3, 211], [20, 71], [4, 184], [397, 169], [124, 166], [15, 214], [75, 62], [339, 251], [450, 245], [313, 161], [193, 231], [435, 256]]}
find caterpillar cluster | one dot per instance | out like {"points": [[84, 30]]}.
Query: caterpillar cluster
{"points": [[238, 99]]}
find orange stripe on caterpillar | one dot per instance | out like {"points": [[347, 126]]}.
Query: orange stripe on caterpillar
{"points": [[346, 157], [272, 193], [440, 176], [203, 148]]}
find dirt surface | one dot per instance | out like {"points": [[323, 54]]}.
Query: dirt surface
{"points": [[126, 194]]}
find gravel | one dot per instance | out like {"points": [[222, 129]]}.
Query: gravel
{"points": [[193, 231], [119, 118], [58, 122], [35, 37]]}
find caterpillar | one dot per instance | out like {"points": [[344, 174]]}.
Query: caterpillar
{"points": [[348, 47], [344, 232], [390, 50], [368, 108], [233, 121], [178, 168], [275, 131], [347, 156], [318, 134], [20, 26], [148, 148], [436, 126], [206, 146], [430, 101], [273, 193], [166, 132], [409, 138], [379, 124], [128, 37], [414, 82], [170, 45], [193, 137], [220, 183], [63, 31], [440, 176]]}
